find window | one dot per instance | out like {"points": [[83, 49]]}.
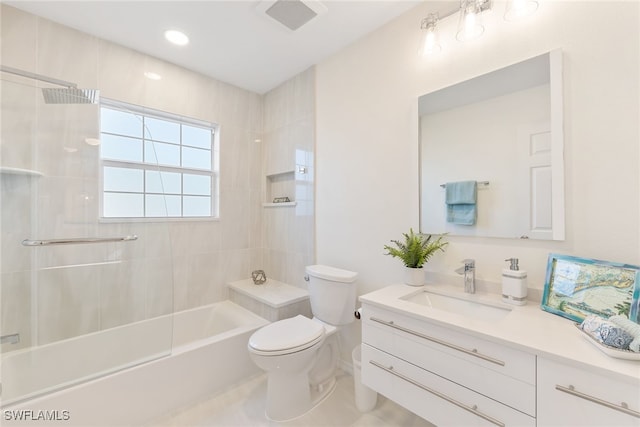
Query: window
{"points": [[156, 165]]}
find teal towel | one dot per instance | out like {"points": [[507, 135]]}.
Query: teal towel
{"points": [[461, 198]]}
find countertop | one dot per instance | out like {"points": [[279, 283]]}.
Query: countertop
{"points": [[272, 293], [526, 328]]}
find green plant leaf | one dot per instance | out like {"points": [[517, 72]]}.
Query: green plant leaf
{"points": [[416, 249]]}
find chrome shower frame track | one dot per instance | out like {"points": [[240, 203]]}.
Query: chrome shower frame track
{"points": [[40, 77]]}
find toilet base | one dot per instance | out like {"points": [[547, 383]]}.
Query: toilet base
{"points": [[299, 398], [298, 381]]}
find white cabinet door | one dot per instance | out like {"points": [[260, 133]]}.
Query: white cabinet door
{"points": [[569, 396], [433, 397], [499, 372]]}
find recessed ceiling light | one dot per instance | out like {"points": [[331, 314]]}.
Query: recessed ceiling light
{"points": [[176, 37], [152, 76]]}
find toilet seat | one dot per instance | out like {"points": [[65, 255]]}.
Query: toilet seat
{"points": [[286, 336]]}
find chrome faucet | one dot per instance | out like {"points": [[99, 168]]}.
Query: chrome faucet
{"points": [[469, 271]]}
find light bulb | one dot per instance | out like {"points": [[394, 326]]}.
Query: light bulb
{"points": [[470, 26], [430, 43]]}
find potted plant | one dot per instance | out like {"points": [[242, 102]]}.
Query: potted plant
{"points": [[415, 251]]}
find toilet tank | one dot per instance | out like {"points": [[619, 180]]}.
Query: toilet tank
{"points": [[332, 293]]}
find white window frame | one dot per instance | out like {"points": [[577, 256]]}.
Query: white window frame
{"points": [[214, 173]]}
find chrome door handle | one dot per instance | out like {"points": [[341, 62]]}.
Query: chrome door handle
{"points": [[473, 409], [623, 407], [472, 352]]}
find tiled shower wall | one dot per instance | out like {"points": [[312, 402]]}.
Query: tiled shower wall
{"points": [[173, 265], [289, 141]]}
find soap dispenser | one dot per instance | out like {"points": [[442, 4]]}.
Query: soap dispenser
{"points": [[514, 284]]}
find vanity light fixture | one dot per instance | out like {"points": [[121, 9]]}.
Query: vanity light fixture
{"points": [[470, 24], [470, 21], [517, 9], [430, 43], [176, 37]]}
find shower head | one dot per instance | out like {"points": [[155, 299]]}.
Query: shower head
{"points": [[70, 95]]}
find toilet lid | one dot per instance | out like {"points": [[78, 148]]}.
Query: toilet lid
{"points": [[286, 334]]}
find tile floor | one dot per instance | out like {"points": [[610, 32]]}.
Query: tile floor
{"points": [[244, 406]]}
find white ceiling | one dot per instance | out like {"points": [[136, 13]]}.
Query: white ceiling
{"points": [[230, 40]]}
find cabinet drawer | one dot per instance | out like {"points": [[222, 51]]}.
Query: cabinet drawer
{"points": [[499, 372], [569, 396], [432, 397]]}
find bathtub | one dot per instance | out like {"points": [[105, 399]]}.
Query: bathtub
{"points": [[208, 353]]}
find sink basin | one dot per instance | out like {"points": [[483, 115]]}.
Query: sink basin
{"points": [[462, 305]]}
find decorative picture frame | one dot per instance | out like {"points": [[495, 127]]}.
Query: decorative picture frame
{"points": [[577, 287]]}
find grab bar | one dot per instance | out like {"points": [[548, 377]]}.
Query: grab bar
{"points": [[75, 241]]}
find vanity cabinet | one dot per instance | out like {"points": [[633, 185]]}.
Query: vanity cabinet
{"points": [[446, 376], [571, 396]]}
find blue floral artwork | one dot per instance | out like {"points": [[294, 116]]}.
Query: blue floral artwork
{"points": [[579, 287]]}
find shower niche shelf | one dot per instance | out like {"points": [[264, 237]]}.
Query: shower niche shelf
{"points": [[279, 205], [19, 171], [280, 184]]}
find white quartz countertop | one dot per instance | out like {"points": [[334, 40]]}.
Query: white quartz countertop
{"points": [[526, 328]]}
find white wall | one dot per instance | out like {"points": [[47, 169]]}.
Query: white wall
{"points": [[367, 132]]}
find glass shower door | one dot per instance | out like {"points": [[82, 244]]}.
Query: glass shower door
{"points": [[79, 297]]}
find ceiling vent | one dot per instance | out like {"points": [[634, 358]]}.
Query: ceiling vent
{"points": [[293, 14]]}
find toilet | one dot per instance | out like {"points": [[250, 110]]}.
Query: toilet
{"points": [[300, 355]]}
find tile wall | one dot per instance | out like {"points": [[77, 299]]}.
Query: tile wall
{"points": [[174, 265], [289, 141]]}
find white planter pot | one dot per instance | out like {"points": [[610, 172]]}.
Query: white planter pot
{"points": [[414, 276]]}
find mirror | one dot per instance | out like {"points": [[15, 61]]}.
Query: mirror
{"points": [[503, 130]]}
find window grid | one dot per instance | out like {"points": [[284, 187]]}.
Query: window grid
{"points": [[148, 165], [160, 169]]}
